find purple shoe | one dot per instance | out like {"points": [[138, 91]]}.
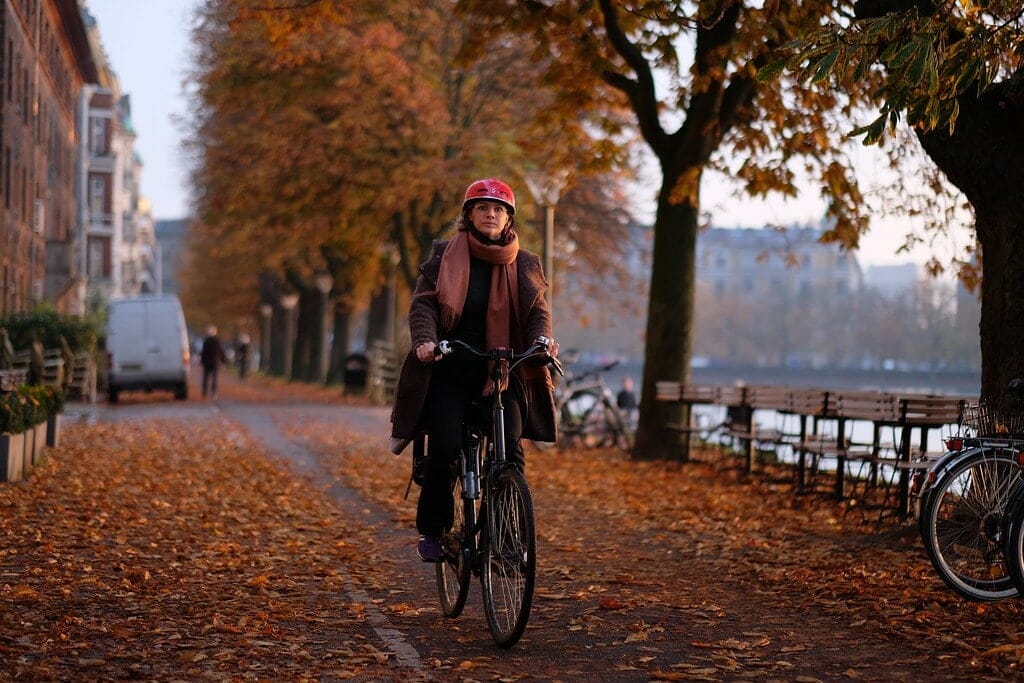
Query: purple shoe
{"points": [[429, 549]]}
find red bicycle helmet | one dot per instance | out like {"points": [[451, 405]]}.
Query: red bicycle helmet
{"points": [[490, 188]]}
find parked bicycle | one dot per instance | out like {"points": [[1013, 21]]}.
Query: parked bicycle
{"points": [[586, 411], [493, 535], [964, 503]]}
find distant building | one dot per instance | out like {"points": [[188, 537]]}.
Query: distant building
{"points": [[170, 239], [745, 261], [46, 60], [790, 270], [892, 281], [118, 237]]}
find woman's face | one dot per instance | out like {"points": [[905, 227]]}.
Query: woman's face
{"points": [[490, 218]]}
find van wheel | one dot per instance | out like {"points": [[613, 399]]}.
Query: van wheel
{"points": [[181, 393], [112, 395]]}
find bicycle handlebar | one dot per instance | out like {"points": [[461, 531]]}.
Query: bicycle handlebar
{"points": [[538, 348]]}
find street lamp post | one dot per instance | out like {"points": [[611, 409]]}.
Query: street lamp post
{"points": [[288, 303], [266, 311], [546, 187], [324, 282]]}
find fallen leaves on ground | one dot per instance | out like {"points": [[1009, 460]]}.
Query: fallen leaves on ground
{"points": [[705, 545], [165, 549]]}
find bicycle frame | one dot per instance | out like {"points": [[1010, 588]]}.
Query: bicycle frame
{"points": [[496, 541]]}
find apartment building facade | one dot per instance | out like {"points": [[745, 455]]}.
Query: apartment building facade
{"points": [[75, 229], [44, 62]]}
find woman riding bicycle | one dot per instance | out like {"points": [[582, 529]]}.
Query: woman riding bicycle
{"points": [[480, 288]]}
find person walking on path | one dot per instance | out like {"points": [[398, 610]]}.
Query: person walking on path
{"points": [[211, 356], [242, 349], [625, 400], [480, 288]]}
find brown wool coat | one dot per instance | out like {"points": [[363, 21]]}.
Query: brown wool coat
{"points": [[425, 326]]}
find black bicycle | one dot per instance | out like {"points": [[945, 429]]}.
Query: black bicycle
{"points": [[586, 411], [966, 501], [493, 534]]}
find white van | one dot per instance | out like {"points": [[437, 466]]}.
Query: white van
{"points": [[147, 346]]}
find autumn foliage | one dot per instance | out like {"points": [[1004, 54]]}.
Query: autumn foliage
{"points": [[339, 136]]}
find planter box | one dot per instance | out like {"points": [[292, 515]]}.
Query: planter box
{"points": [[38, 452], [53, 425], [12, 456], [29, 449]]}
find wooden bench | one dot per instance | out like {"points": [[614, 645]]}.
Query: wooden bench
{"points": [[924, 413], [382, 373], [688, 395], [80, 375], [842, 409], [53, 368], [826, 420], [742, 426], [807, 406]]}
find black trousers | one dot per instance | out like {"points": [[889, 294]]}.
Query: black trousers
{"points": [[210, 380], [453, 390]]}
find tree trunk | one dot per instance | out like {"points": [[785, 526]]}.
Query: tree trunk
{"points": [[669, 337], [278, 328], [379, 320], [342, 343], [983, 159], [305, 331]]}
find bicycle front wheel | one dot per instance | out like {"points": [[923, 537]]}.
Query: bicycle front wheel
{"points": [[962, 524], [510, 561], [1013, 552], [453, 571]]}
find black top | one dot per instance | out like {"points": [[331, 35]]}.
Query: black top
{"points": [[472, 326], [472, 329], [211, 353]]}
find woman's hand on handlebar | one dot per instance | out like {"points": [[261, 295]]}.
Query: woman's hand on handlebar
{"points": [[426, 352], [551, 347]]}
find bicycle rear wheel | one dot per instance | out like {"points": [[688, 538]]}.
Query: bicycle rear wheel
{"points": [[510, 561], [453, 572], [962, 524]]}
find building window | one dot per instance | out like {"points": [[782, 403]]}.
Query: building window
{"points": [[97, 196], [98, 136], [96, 259]]}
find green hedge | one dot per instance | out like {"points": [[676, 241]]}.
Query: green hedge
{"points": [[48, 327], [28, 405]]}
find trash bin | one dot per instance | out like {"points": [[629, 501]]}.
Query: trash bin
{"points": [[354, 367]]}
